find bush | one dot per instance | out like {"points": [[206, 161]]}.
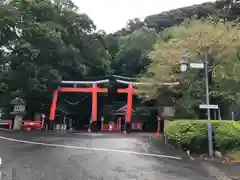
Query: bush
{"points": [[193, 134]]}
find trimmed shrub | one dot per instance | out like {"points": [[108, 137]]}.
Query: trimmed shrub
{"points": [[193, 134]]}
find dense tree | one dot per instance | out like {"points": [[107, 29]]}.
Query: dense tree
{"points": [[46, 41], [132, 59], [177, 16], [192, 40], [226, 9], [132, 25], [112, 45]]}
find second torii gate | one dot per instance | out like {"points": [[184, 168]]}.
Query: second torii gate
{"points": [[94, 90]]}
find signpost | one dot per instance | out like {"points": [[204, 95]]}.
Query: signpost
{"points": [[210, 136], [202, 65], [197, 65], [208, 106], [211, 106]]}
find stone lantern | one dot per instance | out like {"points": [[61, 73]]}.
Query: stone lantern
{"points": [[19, 110]]}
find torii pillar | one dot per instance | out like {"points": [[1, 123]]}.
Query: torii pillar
{"points": [[93, 123], [53, 110], [129, 107], [128, 117]]}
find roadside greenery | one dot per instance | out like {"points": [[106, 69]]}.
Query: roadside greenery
{"points": [[192, 135]]}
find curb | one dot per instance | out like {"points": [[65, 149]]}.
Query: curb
{"points": [[189, 155], [213, 170], [216, 172], [234, 178]]}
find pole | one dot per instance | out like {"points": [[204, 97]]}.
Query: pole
{"points": [[102, 124], [219, 114], [43, 124], [94, 103], [233, 118], [215, 114], [64, 123], [53, 110], [128, 119], [158, 126], [210, 143]]}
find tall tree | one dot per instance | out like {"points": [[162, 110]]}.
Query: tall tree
{"points": [[132, 25], [47, 41], [221, 41], [132, 59]]}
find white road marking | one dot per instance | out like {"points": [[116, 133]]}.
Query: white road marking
{"points": [[92, 134], [0, 161], [91, 149]]}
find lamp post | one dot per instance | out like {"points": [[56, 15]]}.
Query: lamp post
{"points": [[184, 66]]}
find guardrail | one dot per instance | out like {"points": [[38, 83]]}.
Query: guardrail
{"points": [[27, 124], [4, 122]]}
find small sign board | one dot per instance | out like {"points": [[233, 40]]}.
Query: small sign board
{"points": [[196, 65], [208, 106]]}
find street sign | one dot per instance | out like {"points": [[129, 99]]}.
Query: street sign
{"points": [[196, 65], [208, 106]]}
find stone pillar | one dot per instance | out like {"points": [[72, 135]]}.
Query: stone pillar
{"points": [[19, 107], [18, 122]]}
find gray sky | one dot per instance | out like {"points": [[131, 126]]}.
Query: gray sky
{"points": [[112, 15]]}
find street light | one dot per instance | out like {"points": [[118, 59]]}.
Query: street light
{"points": [[184, 65]]}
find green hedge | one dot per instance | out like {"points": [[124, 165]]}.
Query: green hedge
{"points": [[192, 134]]}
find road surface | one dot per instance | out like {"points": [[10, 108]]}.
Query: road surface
{"points": [[82, 156]]}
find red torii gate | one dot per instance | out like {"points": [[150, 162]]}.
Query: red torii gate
{"points": [[94, 90]]}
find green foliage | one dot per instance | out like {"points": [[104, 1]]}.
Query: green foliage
{"points": [[133, 49], [44, 42], [175, 17], [192, 134], [191, 41], [112, 45], [132, 25], [220, 9]]}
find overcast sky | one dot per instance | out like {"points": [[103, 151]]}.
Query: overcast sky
{"points": [[112, 15]]}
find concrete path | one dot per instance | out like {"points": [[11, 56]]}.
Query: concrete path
{"points": [[83, 156]]}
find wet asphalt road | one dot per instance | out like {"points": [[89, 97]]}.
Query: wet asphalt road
{"points": [[78, 160]]}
